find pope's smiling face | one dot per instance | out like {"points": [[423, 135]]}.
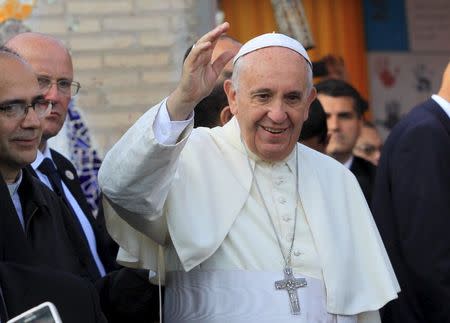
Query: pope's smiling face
{"points": [[270, 97]]}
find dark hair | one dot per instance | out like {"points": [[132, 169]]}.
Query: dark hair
{"points": [[316, 124], [207, 111], [338, 88]]}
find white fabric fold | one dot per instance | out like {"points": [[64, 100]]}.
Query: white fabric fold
{"points": [[201, 184]]}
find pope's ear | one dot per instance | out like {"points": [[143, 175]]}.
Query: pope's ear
{"points": [[312, 95], [231, 95], [225, 115]]}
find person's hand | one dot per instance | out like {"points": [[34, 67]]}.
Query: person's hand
{"points": [[199, 74]]}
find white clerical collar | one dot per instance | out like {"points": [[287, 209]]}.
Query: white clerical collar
{"points": [[13, 187], [234, 136], [443, 103], [349, 162]]}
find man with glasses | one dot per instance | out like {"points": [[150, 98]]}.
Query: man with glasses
{"points": [[52, 64], [37, 229]]}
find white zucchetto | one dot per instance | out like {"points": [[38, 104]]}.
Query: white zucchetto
{"points": [[272, 40]]}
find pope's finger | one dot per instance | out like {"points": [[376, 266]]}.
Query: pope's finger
{"points": [[214, 34], [222, 60]]}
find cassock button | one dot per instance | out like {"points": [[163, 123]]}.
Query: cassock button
{"points": [[282, 200], [286, 218], [297, 253]]}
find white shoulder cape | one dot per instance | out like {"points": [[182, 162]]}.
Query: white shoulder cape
{"points": [[181, 189]]}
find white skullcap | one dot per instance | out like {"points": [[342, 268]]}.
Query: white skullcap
{"points": [[272, 40]]}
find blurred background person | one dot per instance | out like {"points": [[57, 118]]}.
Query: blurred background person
{"points": [[314, 132], [344, 107], [411, 208], [369, 143]]}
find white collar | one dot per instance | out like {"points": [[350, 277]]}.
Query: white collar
{"points": [[349, 162], [13, 187], [40, 157], [443, 103]]}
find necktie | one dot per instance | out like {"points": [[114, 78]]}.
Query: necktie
{"points": [[48, 168]]}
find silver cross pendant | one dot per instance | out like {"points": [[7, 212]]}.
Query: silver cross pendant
{"points": [[291, 284]]}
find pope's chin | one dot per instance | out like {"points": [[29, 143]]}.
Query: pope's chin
{"points": [[275, 148], [273, 152]]}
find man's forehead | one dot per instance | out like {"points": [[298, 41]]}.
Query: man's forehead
{"points": [[17, 78]]}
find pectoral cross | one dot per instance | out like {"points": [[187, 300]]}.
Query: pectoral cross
{"points": [[291, 284]]}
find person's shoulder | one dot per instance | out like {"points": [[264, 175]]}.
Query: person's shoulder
{"points": [[323, 163], [40, 193], [317, 156], [60, 159], [364, 164], [419, 116]]}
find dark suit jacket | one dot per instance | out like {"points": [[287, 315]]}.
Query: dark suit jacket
{"points": [[49, 238], [365, 173], [411, 207], [25, 287], [28, 259], [106, 247], [125, 294], [12, 238]]}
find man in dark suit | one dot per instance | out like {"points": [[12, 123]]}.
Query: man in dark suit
{"points": [[344, 107], [55, 77], [411, 207], [52, 63], [40, 257], [37, 221]]}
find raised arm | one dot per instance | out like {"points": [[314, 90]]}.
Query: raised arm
{"points": [[137, 172], [199, 75]]}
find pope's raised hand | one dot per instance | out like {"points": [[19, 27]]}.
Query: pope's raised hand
{"points": [[199, 74]]}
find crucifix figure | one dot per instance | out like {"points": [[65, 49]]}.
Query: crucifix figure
{"points": [[291, 284]]}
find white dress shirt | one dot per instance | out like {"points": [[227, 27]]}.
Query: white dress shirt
{"points": [[444, 104], [13, 191]]}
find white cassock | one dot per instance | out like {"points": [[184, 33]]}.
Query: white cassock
{"points": [[197, 199]]}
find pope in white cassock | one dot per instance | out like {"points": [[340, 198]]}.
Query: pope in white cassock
{"points": [[241, 223]]}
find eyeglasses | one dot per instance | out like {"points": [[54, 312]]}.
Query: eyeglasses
{"points": [[64, 86], [368, 149], [18, 110]]}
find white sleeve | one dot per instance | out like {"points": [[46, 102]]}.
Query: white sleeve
{"points": [[167, 131]]}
